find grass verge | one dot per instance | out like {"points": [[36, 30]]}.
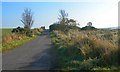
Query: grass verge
{"points": [[77, 53], [15, 43]]}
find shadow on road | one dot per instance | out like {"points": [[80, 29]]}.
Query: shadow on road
{"points": [[41, 61]]}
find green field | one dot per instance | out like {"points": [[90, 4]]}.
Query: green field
{"points": [[5, 31]]}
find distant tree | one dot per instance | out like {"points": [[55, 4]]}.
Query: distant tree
{"points": [[63, 17], [43, 27], [89, 24], [64, 24], [88, 27], [27, 18], [72, 22]]}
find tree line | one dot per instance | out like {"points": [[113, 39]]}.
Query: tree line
{"points": [[64, 24]]}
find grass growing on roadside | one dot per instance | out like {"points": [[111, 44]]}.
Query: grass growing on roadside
{"points": [[10, 40], [15, 43], [66, 61], [106, 68], [85, 51]]}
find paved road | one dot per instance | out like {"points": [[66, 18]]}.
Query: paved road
{"points": [[34, 55]]}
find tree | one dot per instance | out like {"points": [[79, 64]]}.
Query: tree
{"points": [[89, 23], [88, 27], [27, 18], [63, 20], [64, 24], [63, 17], [72, 22]]}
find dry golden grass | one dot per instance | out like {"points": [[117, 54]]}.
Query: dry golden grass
{"points": [[11, 37], [90, 45]]}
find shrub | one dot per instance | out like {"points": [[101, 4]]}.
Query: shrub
{"points": [[20, 30], [64, 28], [108, 36], [88, 28]]}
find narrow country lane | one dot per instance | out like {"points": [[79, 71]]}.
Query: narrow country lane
{"points": [[34, 55]]}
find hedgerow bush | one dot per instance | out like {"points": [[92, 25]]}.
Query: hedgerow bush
{"points": [[20, 30], [27, 32]]}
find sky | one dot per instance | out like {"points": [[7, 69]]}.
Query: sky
{"points": [[101, 14]]}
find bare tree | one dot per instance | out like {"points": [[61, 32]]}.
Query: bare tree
{"points": [[63, 17], [27, 18]]}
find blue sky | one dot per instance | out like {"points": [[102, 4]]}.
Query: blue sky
{"points": [[101, 14]]}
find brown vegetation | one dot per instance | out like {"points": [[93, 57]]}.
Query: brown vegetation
{"points": [[96, 50]]}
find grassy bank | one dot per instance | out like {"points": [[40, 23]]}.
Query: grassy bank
{"points": [[85, 50], [15, 43], [11, 40]]}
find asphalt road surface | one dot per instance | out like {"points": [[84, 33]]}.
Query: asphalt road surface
{"points": [[34, 55]]}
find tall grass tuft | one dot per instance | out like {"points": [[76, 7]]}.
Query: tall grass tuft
{"points": [[87, 48]]}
